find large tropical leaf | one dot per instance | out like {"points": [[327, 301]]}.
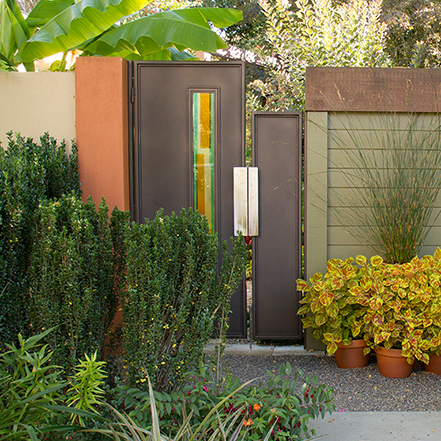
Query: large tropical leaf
{"points": [[165, 55], [45, 10], [80, 22], [13, 29], [150, 36]]}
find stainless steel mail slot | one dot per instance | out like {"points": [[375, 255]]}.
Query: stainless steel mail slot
{"points": [[246, 201]]}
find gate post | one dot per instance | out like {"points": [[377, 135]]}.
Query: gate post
{"points": [[102, 133], [102, 129]]}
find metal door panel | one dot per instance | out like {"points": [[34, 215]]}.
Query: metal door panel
{"points": [[277, 141], [162, 157]]}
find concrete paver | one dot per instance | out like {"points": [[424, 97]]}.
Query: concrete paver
{"points": [[378, 426]]}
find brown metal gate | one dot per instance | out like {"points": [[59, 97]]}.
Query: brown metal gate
{"points": [[277, 251], [165, 96]]}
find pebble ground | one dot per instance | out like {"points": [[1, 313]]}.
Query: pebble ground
{"points": [[361, 389]]}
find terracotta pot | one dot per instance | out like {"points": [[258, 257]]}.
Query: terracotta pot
{"points": [[434, 364], [351, 356], [392, 364]]}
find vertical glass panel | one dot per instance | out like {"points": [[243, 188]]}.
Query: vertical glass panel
{"points": [[203, 154]]}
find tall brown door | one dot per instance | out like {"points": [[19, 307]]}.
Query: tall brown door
{"points": [[277, 256], [188, 134]]}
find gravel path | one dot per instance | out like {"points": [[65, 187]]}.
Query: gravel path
{"points": [[361, 389]]}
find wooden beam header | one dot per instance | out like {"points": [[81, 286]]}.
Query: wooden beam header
{"points": [[359, 89]]}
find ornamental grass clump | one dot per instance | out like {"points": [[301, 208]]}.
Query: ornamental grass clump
{"points": [[393, 168], [175, 291]]}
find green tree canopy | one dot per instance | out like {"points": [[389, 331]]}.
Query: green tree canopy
{"points": [[315, 33]]}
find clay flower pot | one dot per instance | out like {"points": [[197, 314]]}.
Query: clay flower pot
{"points": [[392, 364], [434, 365], [351, 356]]}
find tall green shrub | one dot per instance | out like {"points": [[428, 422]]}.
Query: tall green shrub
{"points": [[71, 282], [28, 172], [174, 294]]}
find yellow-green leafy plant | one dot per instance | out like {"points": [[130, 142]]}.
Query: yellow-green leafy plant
{"points": [[314, 33], [405, 306], [32, 403], [334, 305], [86, 386]]}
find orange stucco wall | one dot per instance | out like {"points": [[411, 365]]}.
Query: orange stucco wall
{"points": [[101, 86]]}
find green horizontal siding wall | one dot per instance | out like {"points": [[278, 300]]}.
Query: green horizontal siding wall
{"points": [[330, 221]]}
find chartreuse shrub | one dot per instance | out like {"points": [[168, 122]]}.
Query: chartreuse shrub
{"points": [[392, 305], [332, 304], [175, 291], [28, 172], [279, 409], [405, 306], [75, 275]]}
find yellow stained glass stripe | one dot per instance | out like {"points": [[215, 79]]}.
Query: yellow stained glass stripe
{"points": [[205, 120], [200, 182]]}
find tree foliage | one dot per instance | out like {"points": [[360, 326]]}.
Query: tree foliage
{"points": [[249, 32], [413, 32], [315, 33]]}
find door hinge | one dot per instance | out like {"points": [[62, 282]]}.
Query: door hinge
{"points": [[132, 94]]}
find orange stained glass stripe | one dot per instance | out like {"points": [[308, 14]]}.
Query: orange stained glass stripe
{"points": [[200, 183], [205, 117]]}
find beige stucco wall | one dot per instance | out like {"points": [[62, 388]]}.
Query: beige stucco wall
{"points": [[36, 102]]}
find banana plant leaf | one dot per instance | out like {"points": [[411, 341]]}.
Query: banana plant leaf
{"points": [[150, 36], [164, 55], [76, 24], [45, 10], [13, 29]]}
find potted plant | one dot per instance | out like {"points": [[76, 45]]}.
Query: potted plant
{"points": [[432, 314], [334, 306], [402, 322]]}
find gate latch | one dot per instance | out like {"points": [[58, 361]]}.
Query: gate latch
{"points": [[246, 200]]}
